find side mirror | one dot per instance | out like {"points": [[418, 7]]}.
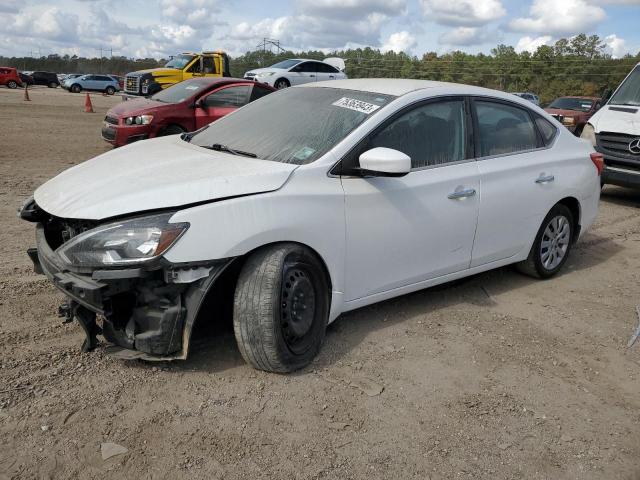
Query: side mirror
{"points": [[384, 162], [198, 103]]}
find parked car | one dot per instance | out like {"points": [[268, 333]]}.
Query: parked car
{"points": [[529, 96], [298, 71], [96, 83], [614, 131], [118, 79], [25, 78], [310, 202], [9, 77], [183, 107], [49, 79], [574, 112]]}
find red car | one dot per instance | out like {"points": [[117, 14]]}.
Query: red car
{"points": [[574, 112], [183, 107], [9, 77]]}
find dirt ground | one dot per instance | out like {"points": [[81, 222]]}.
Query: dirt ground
{"points": [[498, 376]]}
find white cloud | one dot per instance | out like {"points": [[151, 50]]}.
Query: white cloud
{"points": [[49, 23], [194, 13], [616, 46], [465, 36], [323, 24], [351, 9], [399, 42], [565, 17], [463, 12], [531, 44]]}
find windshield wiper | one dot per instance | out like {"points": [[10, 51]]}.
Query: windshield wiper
{"points": [[223, 148]]}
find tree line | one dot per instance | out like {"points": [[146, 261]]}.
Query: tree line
{"points": [[576, 66]]}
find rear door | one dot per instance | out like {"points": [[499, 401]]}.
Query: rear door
{"points": [[304, 72], [517, 178], [326, 72], [220, 102]]}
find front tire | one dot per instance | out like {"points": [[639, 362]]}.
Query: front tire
{"points": [[12, 85], [552, 245], [281, 83], [281, 307]]}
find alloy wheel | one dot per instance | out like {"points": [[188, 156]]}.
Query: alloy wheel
{"points": [[555, 242]]}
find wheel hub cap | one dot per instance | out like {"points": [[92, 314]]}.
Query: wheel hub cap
{"points": [[555, 242]]}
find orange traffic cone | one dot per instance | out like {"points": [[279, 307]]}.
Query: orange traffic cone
{"points": [[26, 93], [88, 107]]}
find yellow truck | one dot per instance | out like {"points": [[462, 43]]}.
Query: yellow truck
{"points": [[181, 67]]}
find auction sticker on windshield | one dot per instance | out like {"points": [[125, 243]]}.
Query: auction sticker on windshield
{"points": [[357, 105]]}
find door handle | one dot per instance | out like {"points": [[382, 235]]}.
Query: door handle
{"points": [[332, 76], [545, 179], [312, 75], [458, 194]]}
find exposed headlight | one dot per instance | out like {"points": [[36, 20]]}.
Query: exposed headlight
{"points": [[123, 243], [265, 74], [139, 120], [589, 133], [568, 121]]}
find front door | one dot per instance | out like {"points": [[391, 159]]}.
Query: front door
{"points": [[402, 231], [304, 72], [219, 103]]}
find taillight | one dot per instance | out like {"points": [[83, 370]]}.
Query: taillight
{"points": [[598, 161]]}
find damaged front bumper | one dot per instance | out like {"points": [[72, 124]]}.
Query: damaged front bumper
{"points": [[149, 311]]}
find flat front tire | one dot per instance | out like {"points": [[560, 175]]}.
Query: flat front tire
{"points": [[552, 244], [281, 307]]}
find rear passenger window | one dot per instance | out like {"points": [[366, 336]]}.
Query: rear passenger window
{"points": [[504, 129], [432, 134], [547, 130], [258, 92]]}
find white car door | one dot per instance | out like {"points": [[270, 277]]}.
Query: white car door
{"points": [[326, 72], [401, 231], [517, 176], [304, 72]]}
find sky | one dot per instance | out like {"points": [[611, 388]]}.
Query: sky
{"points": [[159, 28]]}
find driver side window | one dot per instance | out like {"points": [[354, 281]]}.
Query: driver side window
{"points": [[230, 97], [431, 134]]}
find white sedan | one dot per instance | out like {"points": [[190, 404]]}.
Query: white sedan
{"points": [[311, 202], [299, 71]]}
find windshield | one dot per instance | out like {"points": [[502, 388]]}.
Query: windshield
{"points": [[566, 103], [179, 61], [629, 92], [294, 125], [285, 64], [182, 91]]}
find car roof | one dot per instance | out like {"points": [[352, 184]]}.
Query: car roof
{"points": [[400, 86], [581, 97]]}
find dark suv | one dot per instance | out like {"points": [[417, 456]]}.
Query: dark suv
{"points": [[49, 79]]}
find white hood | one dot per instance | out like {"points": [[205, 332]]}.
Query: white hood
{"points": [[154, 174], [608, 120]]}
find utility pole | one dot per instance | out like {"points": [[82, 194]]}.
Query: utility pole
{"points": [[270, 43]]}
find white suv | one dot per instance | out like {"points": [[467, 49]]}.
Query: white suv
{"points": [[305, 204]]}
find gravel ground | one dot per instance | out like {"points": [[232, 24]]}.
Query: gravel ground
{"points": [[498, 376]]}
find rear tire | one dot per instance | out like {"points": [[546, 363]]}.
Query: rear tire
{"points": [[552, 244], [53, 85], [281, 83], [281, 307], [110, 90], [12, 85], [75, 88]]}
